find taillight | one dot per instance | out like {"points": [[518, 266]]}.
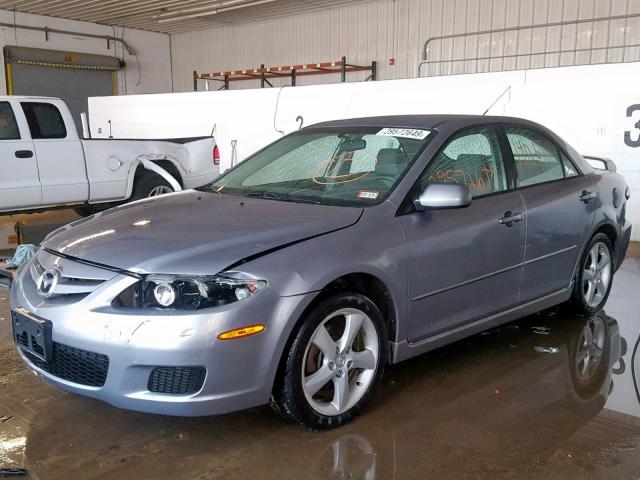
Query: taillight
{"points": [[216, 155], [627, 193]]}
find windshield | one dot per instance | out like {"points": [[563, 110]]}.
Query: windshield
{"points": [[350, 166]]}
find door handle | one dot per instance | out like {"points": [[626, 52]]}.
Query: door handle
{"points": [[586, 196], [510, 218], [24, 154]]}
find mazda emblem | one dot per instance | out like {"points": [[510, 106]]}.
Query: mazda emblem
{"points": [[47, 282]]}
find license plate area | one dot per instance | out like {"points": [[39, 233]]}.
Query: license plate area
{"points": [[32, 334]]}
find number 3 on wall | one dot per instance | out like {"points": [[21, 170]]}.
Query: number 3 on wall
{"points": [[627, 135]]}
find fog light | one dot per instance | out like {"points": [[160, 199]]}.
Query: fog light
{"points": [[241, 332], [164, 294]]}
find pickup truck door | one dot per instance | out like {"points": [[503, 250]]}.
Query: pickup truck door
{"points": [[58, 151], [19, 181]]}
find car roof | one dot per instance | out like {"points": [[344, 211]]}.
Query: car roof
{"points": [[423, 121]]}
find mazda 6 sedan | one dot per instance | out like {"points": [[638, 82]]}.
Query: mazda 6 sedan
{"points": [[298, 275]]}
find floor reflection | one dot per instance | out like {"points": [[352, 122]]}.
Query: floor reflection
{"points": [[503, 401], [551, 396]]}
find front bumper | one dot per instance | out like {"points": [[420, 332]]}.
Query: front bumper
{"points": [[239, 373]]}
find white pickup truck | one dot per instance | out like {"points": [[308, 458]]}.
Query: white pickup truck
{"points": [[45, 164]]}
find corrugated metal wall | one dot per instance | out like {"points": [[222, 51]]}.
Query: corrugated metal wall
{"points": [[384, 29]]}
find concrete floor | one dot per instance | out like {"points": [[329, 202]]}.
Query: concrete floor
{"points": [[492, 406]]}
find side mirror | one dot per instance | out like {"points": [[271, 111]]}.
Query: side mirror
{"points": [[443, 195]]}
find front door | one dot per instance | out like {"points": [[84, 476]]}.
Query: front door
{"points": [[560, 210], [19, 180], [59, 153], [465, 264]]}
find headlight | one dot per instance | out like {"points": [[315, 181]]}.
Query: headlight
{"points": [[188, 293]]}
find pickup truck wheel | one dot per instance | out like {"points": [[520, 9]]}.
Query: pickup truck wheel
{"points": [[88, 210], [150, 185], [333, 363], [84, 211]]}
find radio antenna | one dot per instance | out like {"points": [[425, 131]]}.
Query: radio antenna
{"points": [[507, 90]]}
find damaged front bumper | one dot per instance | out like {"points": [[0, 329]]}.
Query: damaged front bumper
{"points": [[164, 362]]}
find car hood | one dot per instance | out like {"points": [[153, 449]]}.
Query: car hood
{"points": [[194, 232]]}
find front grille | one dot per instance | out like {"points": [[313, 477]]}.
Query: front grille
{"points": [[74, 280], [74, 365], [176, 380]]}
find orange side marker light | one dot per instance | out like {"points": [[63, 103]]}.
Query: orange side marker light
{"points": [[242, 332]]}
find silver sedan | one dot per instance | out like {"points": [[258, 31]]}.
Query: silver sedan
{"points": [[299, 274]]}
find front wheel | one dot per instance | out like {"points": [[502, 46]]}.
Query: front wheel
{"points": [[594, 276], [333, 364]]}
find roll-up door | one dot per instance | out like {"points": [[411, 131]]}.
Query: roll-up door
{"points": [[68, 75]]}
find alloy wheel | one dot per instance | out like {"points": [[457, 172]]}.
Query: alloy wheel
{"points": [[596, 275], [340, 361], [590, 348], [160, 190]]}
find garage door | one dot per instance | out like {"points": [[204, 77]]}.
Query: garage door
{"points": [[71, 76]]}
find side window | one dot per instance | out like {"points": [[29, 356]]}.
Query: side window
{"points": [[537, 159], [569, 169], [472, 158], [8, 126], [44, 120]]}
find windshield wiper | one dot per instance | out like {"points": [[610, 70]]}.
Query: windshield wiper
{"points": [[282, 197], [209, 189], [268, 196]]}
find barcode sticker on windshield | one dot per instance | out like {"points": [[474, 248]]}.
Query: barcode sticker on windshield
{"points": [[368, 194], [404, 133]]}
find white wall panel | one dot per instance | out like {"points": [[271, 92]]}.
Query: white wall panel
{"points": [[383, 29], [578, 103], [153, 76]]}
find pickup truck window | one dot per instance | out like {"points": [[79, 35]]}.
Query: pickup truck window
{"points": [[44, 120], [8, 126]]}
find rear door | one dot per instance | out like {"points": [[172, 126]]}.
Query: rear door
{"points": [[560, 205], [19, 180], [466, 263], [58, 151]]}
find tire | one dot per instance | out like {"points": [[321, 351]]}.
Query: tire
{"points": [[322, 345], [589, 355], [148, 184], [88, 210], [593, 280], [84, 211]]}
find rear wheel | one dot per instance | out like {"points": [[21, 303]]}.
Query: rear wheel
{"points": [[333, 364], [594, 276], [150, 184]]}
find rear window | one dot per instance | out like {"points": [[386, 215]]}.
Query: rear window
{"points": [[8, 126], [44, 120]]}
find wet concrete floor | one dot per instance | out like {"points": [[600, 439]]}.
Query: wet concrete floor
{"points": [[508, 403]]}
